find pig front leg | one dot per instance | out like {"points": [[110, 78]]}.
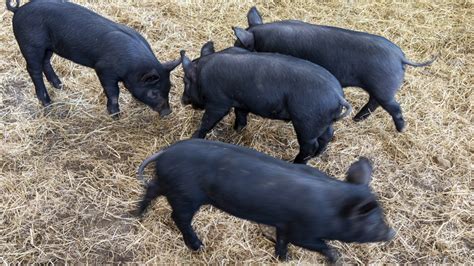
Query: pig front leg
{"points": [[308, 149], [281, 245], [210, 118], [112, 93], [240, 119], [111, 90]]}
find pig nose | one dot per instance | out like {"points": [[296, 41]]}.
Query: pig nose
{"points": [[165, 112], [390, 234]]}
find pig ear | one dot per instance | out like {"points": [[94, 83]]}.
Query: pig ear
{"points": [[361, 208], [253, 17], [151, 76], [207, 49], [360, 172], [170, 65], [188, 66], [245, 37]]}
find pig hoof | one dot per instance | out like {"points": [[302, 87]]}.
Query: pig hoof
{"points": [[197, 135], [401, 128], [138, 213], [116, 115], [359, 118], [331, 255], [195, 245], [57, 85], [285, 257], [239, 128], [133, 214], [46, 104]]}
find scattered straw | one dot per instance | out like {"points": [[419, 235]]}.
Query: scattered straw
{"points": [[67, 177]]}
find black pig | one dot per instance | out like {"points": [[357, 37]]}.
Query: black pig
{"points": [[269, 85], [357, 59], [305, 205], [116, 52]]}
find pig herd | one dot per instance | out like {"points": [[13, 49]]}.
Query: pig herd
{"points": [[286, 70]]}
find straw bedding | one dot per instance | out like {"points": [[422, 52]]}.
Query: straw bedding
{"points": [[67, 175]]}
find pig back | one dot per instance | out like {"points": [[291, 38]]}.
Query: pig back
{"points": [[260, 77], [343, 52], [248, 184], [79, 34]]}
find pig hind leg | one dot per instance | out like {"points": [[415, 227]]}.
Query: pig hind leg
{"points": [[308, 131], [183, 213], [324, 140], [49, 71], [34, 63], [152, 192], [382, 89], [386, 99], [240, 119], [367, 110], [394, 109]]}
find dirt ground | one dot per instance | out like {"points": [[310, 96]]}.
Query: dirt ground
{"points": [[68, 175]]}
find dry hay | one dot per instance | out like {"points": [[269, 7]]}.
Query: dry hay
{"points": [[67, 176]]}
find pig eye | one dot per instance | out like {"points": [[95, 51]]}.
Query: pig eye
{"points": [[367, 208], [357, 209], [150, 78]]}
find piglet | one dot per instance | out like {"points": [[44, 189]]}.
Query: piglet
{"points": [[306, 206], [356, 59], [270, 85], [116, 52]]}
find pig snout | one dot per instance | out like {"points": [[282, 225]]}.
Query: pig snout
{"points": [[165, 112], [163, 109], [385, 235]]}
